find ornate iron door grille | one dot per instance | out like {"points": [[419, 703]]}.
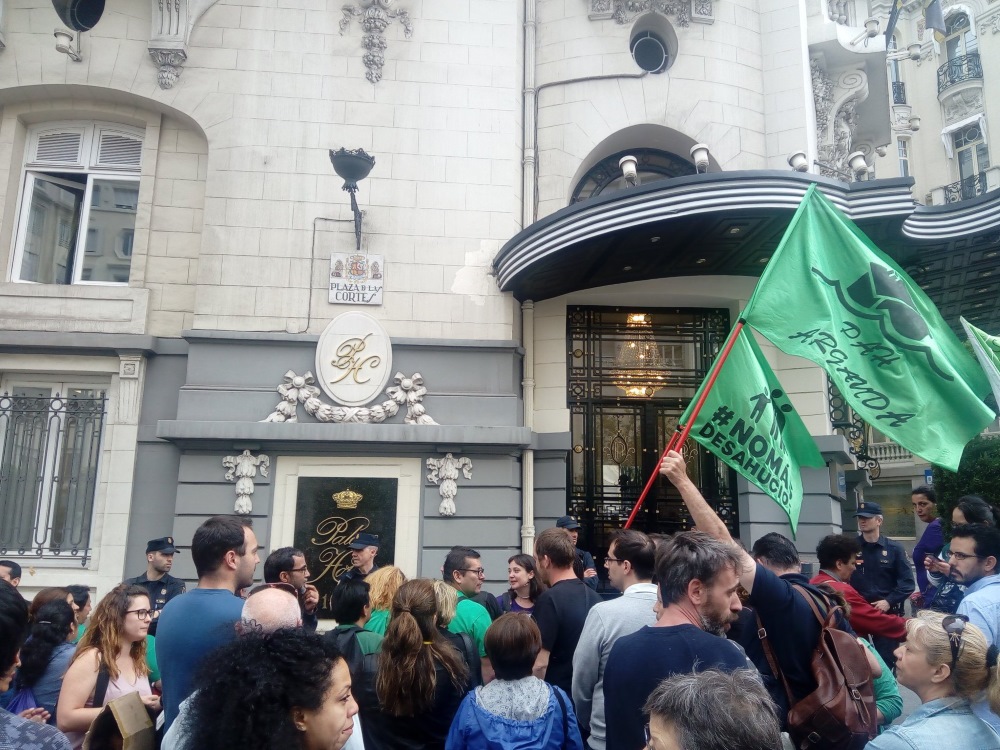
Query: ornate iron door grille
{"points": [[623, 410]]}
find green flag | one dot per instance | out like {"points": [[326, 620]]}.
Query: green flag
{"points": [[829, 295], [987, 349], [749, 423]]}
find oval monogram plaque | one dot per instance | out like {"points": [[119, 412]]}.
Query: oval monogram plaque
{"points": [[353, 359]]}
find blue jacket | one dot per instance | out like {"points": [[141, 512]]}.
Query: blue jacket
{"points": [[474, 728]]}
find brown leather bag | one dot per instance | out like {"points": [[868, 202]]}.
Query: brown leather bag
{"points": [[840, 713]]}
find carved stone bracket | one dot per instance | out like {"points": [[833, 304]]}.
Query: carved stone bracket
{"points": [[376, 15], [243, 469], [172, 23], [836, 97], [963, 103], [409, 391], [992, 23], [625, 11], [130, 367], [444, 472]]}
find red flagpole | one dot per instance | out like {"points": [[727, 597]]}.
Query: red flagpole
{"points": [[678, 438]]}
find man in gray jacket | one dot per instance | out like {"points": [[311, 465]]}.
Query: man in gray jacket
{"points": [[630, 562]]}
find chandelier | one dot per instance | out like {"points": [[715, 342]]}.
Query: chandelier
{"points": [[638, 369]]}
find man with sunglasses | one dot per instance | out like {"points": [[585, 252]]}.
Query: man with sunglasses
{"points": [[288, 565], [974, 558]]}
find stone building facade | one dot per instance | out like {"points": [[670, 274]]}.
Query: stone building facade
{"points": [[169, 213]]}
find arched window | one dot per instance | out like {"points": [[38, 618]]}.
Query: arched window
{"points": [[960, 37], [653, 165]]}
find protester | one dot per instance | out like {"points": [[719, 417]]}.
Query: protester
{"points": [[350, 606], [421, 677], [630, 562], [268, 608], [288, 565], [16, 731], [224, 552], [516, 710], [382, 587], [562, 608], [931, 541], [363, 552], [777, 591], [50, 594], [115, 643], [10, 572], [447, 605], [288, 689], [698, 580], [838, 554], [883, 575], [47, 654], [971, 510], [159, 584], [584, 560], [711, 710], [84, 604], [525, 587], [463, 570], [947, 662]]}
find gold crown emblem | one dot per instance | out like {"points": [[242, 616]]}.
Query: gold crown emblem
{"points": [[347, 499]]}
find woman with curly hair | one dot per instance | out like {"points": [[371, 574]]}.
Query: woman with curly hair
{"points": [[383, 584], [524, 585], [47, 653], [114, 643], [287, 690], [421, 677]]}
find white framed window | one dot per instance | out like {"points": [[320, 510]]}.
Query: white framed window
{"points": [[971, 150], [79, 193], [903, 151], [50, 447], [960, 36]]}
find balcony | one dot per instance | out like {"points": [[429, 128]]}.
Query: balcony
{"points": [[898, 92], [959, 69], [971, 187]]}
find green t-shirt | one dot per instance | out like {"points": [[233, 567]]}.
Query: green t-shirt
{"points": [[378, 622], [472, 618], [369, 642]]}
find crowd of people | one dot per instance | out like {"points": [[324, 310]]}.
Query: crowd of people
{"points": [[708, 647]]}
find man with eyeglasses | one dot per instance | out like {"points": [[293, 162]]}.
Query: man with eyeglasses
{"points": [[162, 586], [630, 560], [463, 569], [288, 565], [974, 558]]}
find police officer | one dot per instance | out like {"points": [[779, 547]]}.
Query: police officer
{"points": [[157, 580], [883, 574], [363, 551], [584, 565]]}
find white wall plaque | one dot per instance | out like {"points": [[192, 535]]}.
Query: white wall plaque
{"points": [[356, 279], [353, 359]]}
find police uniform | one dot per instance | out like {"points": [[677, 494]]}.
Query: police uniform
{"points": [[883, 572], [164, 589], [356, 575], [363, 540]]}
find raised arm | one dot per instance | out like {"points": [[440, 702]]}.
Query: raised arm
{"points": [[705, 519]]}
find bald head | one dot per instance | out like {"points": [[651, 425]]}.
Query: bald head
{"points": [[269, 610]]}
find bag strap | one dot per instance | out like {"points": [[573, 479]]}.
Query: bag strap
{"points": [[101, 688], [772, 660], [811, 600], [565, 715]]}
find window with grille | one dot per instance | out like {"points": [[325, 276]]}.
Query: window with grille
{"points": [[79, 194], [50, 444]]}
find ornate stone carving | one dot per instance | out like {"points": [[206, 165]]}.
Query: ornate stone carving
{"points": [[836, 101], [837, 11], [172, 22], [991, 24], [302, 389], [169, 62], [600, 10], [376, 15], [626, 10], [444, 472], [243, 468], [130, 368], [962, 104]]}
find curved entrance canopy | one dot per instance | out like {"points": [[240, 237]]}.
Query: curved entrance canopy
{"points": [[729, 223]]}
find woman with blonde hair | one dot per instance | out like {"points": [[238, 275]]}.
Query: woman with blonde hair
{"points": [[948, 663], [110, 658], [421, 677], [447, 606], [383, 584]]}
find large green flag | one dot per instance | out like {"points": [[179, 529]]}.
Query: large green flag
{"points": [[749, 423], [987, 349], [829, 295]]}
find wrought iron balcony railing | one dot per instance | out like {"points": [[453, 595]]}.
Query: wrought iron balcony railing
{"points": [[958, 69], [898, 92], [965, 189]]}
